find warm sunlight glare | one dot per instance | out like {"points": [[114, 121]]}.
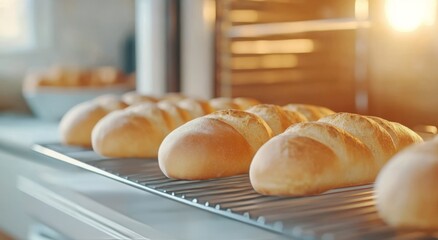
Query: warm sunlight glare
{"points": [[409, 15], [270, 61], [273, 46], [209, 11]]}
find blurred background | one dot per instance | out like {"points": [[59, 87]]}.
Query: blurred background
{"points": [[367, 56], [36, 35], [373, 57]]}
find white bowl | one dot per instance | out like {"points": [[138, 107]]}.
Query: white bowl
{"points": [[51, 103]]}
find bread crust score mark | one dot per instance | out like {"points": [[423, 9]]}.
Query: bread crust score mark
{"points": [[359, 147]]}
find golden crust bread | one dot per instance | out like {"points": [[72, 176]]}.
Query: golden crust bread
{"points": [[245, 102], [315, 157], [359, 165], [401, 136], [204, 148], [295, 117], [217, 145], [406, 135], [287, 165], [62, 77], [311, 112], [195, 107], [76, 125], [132, 98], [173, 97], [405, 189], [110, 102], [223, 103], [178, 115], [159, 118], [375, 137], [250, 126], [276, 117], [360, 145], [127, 134]]}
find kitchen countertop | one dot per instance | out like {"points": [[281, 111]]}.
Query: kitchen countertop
{"points": [[21, 130], [115, 206]]}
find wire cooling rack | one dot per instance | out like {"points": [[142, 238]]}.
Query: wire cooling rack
{"points": [[346, 213]]}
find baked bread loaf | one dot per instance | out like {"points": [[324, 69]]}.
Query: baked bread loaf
{"points": [[405, 189], [223, 103], [76, 125], [368, 131], [340, 150], [311, 112], [401, 135], [277, 118], [105, 76], [173, 97], [241, 103], [178, 115], [132, 98], [63, 77], [110, 102], [195, 107], [136, 131], [245, 102], [217, 145]]}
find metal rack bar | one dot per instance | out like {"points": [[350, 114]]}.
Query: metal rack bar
{"points": [[346, 213]]}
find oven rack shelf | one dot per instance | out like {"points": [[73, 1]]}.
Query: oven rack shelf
{"points": [[347, 213]]}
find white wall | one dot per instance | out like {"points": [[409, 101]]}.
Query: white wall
{"points": [[82, 33]]}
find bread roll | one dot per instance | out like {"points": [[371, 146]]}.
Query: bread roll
{"points": [[350, 150], [359, 165], [405, 189], [34, 80], [311, 112], [223, 103], [401, 135], [217, 145], [132, 98], [110, 102], [159, 120], [250, 126], [71, 77], [158, 117], [375, 137], [62, 77], [173, 97], [178, 115], [134, 132], [106, 76], [126, 134], [277, 118], [195, 107], [311, 158], [245, 102], [286, 165], [76, 125]]}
